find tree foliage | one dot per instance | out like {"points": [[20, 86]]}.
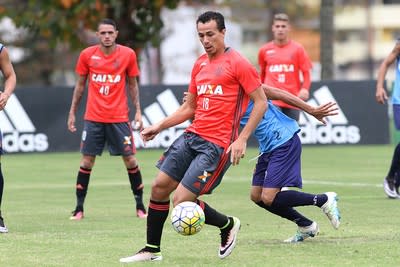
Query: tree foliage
{"points": [[67, 21]]}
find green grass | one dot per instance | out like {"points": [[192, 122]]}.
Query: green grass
{"points": [[39, 196]]}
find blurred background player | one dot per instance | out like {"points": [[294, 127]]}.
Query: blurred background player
{"points": [[10, 81], [284, 64], [107, 66], [391, 182], [279, 166], [222, 82]]}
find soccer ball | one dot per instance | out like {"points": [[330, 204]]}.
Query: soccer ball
{"points": [[187, 218]]}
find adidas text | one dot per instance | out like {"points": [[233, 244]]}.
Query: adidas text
{"points": [[25, 142], [329, 134]]}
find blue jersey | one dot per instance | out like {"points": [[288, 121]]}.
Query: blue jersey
{"points": [[396, 88], [274, 129]]}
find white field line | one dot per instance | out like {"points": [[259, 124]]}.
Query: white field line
{"points": [[227, 179]]}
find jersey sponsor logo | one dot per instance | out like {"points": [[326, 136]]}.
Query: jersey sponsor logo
{"points": [[209, 89], [165, 105], [95, 57], [109, 78], [281, 68], [19, 133], [337, 130]]}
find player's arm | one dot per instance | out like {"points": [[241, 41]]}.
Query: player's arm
{"points": [[261, 64], [10, 79], [76, 99], [380, 94], [238, 147], [324, 110], [183, 113], [133, 89], [304, 92]]}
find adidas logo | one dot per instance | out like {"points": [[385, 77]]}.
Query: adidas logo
{"points": [[337, 129], [165, 105], [18, 130]]}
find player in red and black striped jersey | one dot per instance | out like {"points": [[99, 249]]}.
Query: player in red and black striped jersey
{"points": [[107, 66], [222, 83]]}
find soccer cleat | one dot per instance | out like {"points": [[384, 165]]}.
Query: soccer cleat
{"points": [[3, 228], [142, 255], [389, 188], [331, 210], [141, 213], [77, 215], [303, 233], [228, 238]]}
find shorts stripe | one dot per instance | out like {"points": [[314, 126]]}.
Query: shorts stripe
{"points": [[216, 174]]}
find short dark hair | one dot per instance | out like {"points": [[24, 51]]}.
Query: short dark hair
{"points": [[107, 21], [212, 15]]}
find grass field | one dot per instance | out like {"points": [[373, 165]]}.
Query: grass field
{"points": [[39, 196]]}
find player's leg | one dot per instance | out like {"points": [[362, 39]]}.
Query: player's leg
{"points": [[3, 227], [120, 142], [391, 182], [202, 177], [135, 179], [173, 165], [92, 144]]}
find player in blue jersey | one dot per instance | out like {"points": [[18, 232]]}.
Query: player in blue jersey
{"points": [[10, 81], [391, 182], [279, 166]]}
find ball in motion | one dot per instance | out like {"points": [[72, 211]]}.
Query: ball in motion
{"points": [[187, 218]]}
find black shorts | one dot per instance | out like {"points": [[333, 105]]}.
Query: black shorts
{"points": [[197, 164], [118, 136], [291, 113], [1, 143]]}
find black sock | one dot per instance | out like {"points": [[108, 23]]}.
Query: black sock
{"points": [[157, 214], [395, 165], [82, 183], [287, 213], [292, 198], [215, 218], [1, 186], [135, 178]]}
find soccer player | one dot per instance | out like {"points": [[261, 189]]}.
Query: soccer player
{"points": [[391, 183], [10, 81], [279, 166], [282, 61], [107, 66], [222, 81]]}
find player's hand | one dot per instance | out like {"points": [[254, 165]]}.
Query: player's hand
{"points": [[138, 121], [150, 132], [380, 95], [324, 110], [3, 100], [71, 122], [304, 94], [237, 150]]}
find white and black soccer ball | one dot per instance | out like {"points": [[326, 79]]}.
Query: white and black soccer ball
{"points": [[187, 218]]}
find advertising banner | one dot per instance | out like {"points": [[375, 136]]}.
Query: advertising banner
{"points": [[35, 119]]}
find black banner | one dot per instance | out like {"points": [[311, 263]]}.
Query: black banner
{"points": [[35, 119]]}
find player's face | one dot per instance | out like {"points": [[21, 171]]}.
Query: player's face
{"points": [[211, 38], [280, 29], [107, 35]]}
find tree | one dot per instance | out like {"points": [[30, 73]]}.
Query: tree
{"points": [[70, 24], [327, 39]]}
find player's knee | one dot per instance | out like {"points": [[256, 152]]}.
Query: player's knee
{"points": [[267, 199], [255, 197], [130, 162]]}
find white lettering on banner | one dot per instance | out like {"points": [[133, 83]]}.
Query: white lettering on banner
{"points": [[165, 105], [337, 130], [18, 130]]}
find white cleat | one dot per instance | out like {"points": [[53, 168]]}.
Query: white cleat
{"points": [[141, 256], [303, 233], [228, 239], [331, 210]]}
